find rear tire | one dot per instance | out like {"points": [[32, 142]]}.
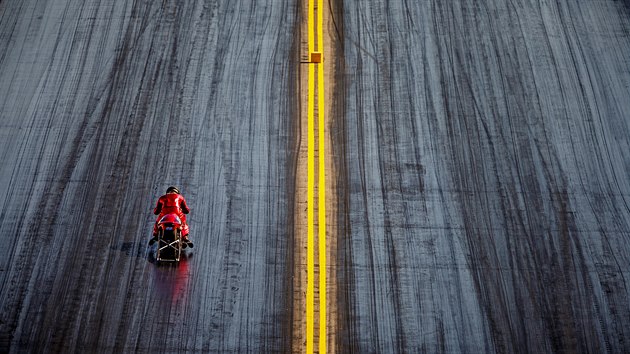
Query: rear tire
{"points": [[169, 246]]}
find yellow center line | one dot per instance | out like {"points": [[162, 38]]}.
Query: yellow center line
{"points": [[321, 200], [321, 184], [310, 275]]}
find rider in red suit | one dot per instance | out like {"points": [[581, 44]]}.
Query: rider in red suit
{"points": [[172, 202]]}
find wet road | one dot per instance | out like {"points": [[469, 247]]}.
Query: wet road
{"points": [[103, 104], [483, 177], [486, 173]]}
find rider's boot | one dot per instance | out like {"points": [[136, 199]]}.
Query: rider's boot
{"points": [[187, 242]]}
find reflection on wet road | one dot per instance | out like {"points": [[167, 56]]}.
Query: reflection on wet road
{"points": [[170, 281]]}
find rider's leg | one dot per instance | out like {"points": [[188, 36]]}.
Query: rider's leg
{"points": [[185, 228], [155, 232], [185, 231]]}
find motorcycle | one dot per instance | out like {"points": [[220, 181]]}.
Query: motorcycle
{"points": [[169, 238]]}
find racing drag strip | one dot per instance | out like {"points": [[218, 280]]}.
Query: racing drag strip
{"points": [[315, 235], [485, 202], [103, 105]]}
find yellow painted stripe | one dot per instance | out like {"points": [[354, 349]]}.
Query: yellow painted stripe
{"points": [[310, 277], [321, 210], [321, 197]]}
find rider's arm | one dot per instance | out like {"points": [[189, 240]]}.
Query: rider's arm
{"points": [[184, 206], [158, 207]]}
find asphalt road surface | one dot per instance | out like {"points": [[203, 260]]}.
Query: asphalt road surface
{"points": [[483, 187], [487, 168], [103, 104]]}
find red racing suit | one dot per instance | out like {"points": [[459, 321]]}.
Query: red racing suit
{"points": [[172, 203]]}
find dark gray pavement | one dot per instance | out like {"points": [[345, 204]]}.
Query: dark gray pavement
{"points": [[482, 150], [103, 104], [487, 177]]}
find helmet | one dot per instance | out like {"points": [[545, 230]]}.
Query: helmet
{"points": [[172, 189]]}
